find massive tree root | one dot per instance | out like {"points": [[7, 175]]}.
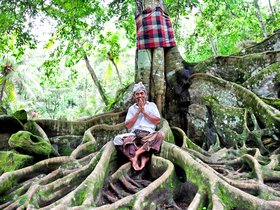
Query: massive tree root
{"points": [[77, 180], [232, 178], [92, 176], [224, 154]]}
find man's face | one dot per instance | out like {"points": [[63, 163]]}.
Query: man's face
{"points": [[140, 96]]}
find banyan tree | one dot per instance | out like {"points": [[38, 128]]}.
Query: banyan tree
{"points": [[221, 121]]}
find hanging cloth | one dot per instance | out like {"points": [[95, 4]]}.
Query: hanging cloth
{"points": [[154, 29]]}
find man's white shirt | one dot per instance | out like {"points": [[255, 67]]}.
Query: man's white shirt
{"points": [[143, 123]]}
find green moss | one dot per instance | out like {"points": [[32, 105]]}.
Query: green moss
{"points": [[10, 161], [170, 137], [230, 201], [275, 102], [196, 178], [7, 183], [30, 143], [30, 126], [22, 199], [164, 127], [126, 208], [273, 68], [65, 151], [277, 77], [211, 99], [21, 115], [86, 138], [79, 199], [266, 195], [229, 122], [227, 201]]}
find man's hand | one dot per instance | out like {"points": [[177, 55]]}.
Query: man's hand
{"points": [[141, 105]]}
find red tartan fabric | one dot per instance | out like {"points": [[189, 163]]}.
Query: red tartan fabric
{"points": [[154, 29]]}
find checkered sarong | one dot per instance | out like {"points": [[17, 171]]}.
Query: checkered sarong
{"points": [[154, 29]]}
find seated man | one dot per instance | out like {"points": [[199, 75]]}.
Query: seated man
{"points": [[141, 120]]}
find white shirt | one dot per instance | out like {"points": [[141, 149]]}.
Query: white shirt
{"points": [[143, 123]]}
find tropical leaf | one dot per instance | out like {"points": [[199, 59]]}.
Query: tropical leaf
{"points": [[9, 91], [1, 80], [108, 74]]}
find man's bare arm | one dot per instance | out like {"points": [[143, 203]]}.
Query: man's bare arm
{"points": [[155, 120], [130, 123]]}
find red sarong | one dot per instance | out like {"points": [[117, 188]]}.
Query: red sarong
{"points": [[154, 29]]}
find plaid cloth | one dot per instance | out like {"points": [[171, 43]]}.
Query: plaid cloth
{"points": [[154, 29]]}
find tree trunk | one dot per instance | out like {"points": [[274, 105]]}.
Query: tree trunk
{"points": [[158, 69], [150, 64], [92, 73], [117, 70], [259, 16], [95, 79], [213, 46], [85, 90], [2, 90], [271, 8]]}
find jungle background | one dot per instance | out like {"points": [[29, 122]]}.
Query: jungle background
{"points": [[46, 42], [70, 66]]}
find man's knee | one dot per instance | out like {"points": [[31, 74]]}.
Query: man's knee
{"points": [[160, 134]]}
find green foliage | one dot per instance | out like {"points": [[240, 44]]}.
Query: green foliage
{"points": [[108, 74], [106, 34], [9, 93], [7, 90], [227, 23], [109, 46], [15, 25], [124, 12]]}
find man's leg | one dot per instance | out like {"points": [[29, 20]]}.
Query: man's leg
{"points": [[134, 160], [134, 164], [144, 160], [154, 142]]}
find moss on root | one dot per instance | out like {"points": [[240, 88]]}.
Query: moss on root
{"points": [[10, 161], [30, 143]]}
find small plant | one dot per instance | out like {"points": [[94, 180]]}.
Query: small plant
{"points": [[7, 94]]}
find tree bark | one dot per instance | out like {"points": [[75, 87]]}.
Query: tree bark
{"points": [[116, 67], [271, 8], [150, 66], [95, 79], [92, 73], [213, 47], [2, 91], [259, 16], [85, 90]]}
